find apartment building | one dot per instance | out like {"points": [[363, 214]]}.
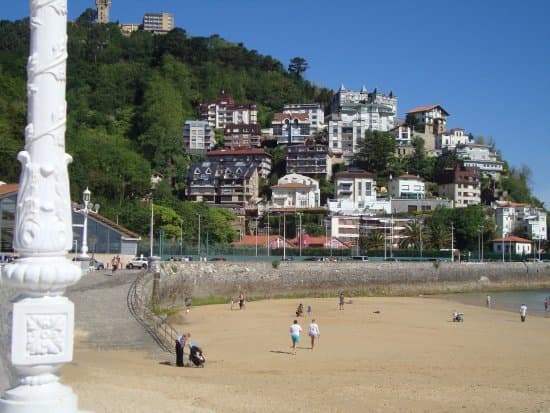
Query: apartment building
{"points": [[158, 23], [296, 191], [402, 134], [128, 28], [345, 135], [223, 183], [375, 109], [511, 217], [482, 157], [431, 119], [224, 111], [198, 136], [291, 128], [449, 140], [355, 188], [314, 112], [407, 186], [461, 185], [309, 159], [258, 156], [242, 136]]}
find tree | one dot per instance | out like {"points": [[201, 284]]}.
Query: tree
{"points": [[88, 16], [376, 153], [412, 236], [297, 66], [375, 240]]}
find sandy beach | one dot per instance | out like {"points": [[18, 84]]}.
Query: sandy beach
{"points": [[408, 357]]}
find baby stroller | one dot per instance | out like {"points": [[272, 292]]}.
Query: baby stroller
{"points": [[196, 356]]}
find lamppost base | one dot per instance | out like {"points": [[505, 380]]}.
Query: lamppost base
{"points": [[47, 398]]}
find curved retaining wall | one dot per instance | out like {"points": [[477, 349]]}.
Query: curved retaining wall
{"points": [[261, 280]]}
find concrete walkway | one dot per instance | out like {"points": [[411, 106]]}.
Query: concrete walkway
{"points": [[102, 313]]}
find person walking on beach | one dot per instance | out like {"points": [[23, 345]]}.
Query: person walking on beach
{"points": [[488, 301], [523, 312], [241, 300], [546, 302], [341, 301], [295, 330], [314, 332]]}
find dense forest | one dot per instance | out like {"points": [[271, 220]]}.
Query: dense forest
{"points": [[128, 98]]}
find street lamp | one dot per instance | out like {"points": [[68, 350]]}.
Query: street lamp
{"points": [[85, 209], [256, 236], [300, 232], [199, 238]]}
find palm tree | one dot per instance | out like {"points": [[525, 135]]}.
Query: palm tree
{"points": [[375, 240], [412, 236], [439, 236]]}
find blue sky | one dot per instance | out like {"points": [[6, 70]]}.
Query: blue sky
{"points": [[486, 62]]}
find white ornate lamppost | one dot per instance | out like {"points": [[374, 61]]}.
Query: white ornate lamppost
{"points": [[85, 209], [42, 321]]}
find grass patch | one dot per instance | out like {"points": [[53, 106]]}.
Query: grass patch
{"points": [[198, 301], [155, 309]]}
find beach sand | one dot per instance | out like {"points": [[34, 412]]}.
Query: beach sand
{"points": [[408, 358]]}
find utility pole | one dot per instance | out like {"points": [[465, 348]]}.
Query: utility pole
{"points": [[256, 236], [300, 232], [420, 229], [151, 233], [453, 241], [199, 239], [284, 235]]}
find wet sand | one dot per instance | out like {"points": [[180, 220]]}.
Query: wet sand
{"points": [[409, 357]]}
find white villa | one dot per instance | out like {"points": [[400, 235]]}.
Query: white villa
{"points": [[296, 191], [407, 186], [449, 140], [510, 216]]}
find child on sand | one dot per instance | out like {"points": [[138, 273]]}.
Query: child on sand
{"points": [[314, 332], [295, 330]]}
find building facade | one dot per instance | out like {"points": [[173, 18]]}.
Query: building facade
{"points": [[512, 245], [511, 217], [314, 112], [223, 183], [462, 185], [377, 110], [224, 111], [158, 23], [355, 189], [296, 191], [242, 136], [482, 157], [408, 187], [449, 140], [431, 119], [103, 8], [258, 156], [291, 128], [198, 137], [310, 159]]}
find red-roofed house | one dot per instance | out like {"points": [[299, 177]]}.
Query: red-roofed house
{"points": [[296, 191], [274, 241], [512, 245], [309, 241], [430, 119]]}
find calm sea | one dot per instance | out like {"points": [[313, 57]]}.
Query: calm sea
{"points": [[509, 300]]}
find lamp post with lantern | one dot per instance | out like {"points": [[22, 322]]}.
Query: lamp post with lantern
{"points": [[86, 208]]}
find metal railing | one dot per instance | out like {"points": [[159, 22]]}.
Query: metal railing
{"points": [[140, 308]]}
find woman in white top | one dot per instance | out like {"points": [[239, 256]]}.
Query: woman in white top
{"points": [[314, 332]]}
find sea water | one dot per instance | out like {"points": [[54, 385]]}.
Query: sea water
{"points": [[507, 300]]}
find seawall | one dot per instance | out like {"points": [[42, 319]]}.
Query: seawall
{"points": [[261, 280]]}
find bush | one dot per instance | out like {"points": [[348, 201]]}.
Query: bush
{"points": [[275, 263]]}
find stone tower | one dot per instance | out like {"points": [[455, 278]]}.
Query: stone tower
{"points": [[103, 7]]}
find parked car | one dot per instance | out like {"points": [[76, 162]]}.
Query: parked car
{"points": [[218, 259], [137, 262], [360, 258], [98, 265]]}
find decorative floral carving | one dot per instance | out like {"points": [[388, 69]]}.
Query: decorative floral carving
{"points": [[46, 334]]}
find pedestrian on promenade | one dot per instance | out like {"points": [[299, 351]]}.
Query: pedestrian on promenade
{"points": [[488, 301], [523, 312], [314, 332], [341, 301], [295, 330]]}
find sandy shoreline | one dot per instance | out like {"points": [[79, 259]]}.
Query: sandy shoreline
{"points": [[410, 357]]}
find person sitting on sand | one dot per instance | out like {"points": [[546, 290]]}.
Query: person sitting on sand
{"points": [[300, 310]]}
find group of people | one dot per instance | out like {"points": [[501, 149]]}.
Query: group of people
{"points": [[196, 355], [295, 330]]}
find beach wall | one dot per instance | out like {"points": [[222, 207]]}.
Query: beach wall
{"points": [[262, 280]]}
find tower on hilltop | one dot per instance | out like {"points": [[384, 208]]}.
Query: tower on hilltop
{"points": [[103, 7]]}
